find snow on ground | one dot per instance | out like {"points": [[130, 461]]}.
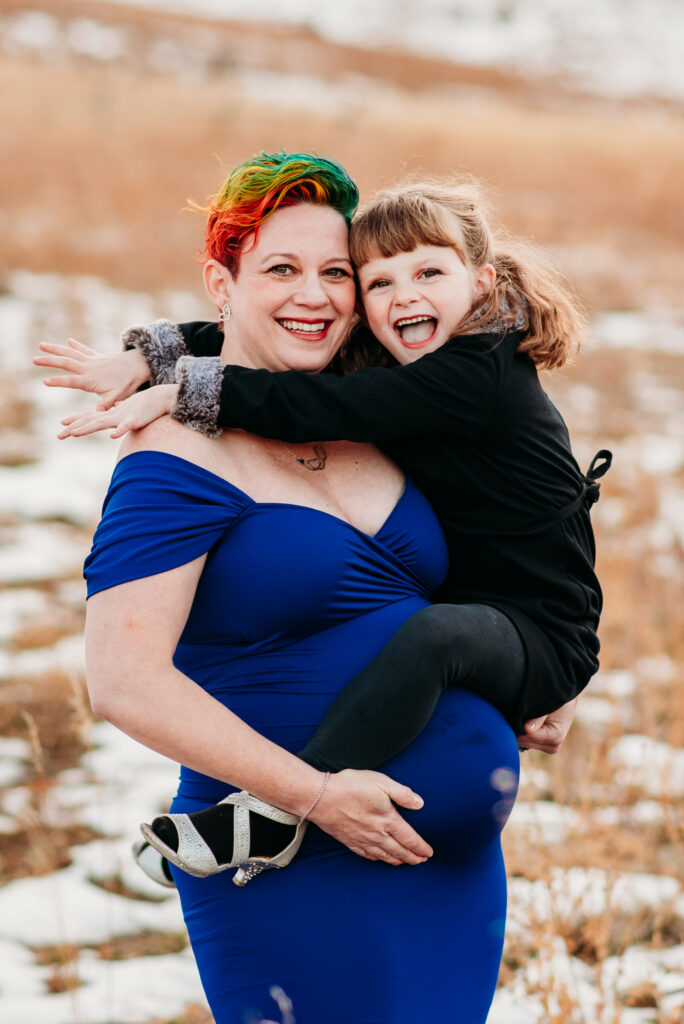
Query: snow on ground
{"points": [[604, 46], [653, 330], [118, 785], [599, 47], [51, 498], [654, 767]]}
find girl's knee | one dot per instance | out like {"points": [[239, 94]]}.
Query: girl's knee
{"points": [[440, 627]]}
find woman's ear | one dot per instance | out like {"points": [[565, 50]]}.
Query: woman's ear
{"points": [[217, 283], [485, 279]]}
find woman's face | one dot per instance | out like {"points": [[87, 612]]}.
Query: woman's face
{"points": [[415, 301], [292, 300]]}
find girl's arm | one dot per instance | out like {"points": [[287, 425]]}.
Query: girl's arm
{"points": [[450, 392], [150, 355], [112, 376], [131, 633]]}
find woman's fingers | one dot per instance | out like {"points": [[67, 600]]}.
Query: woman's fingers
{"points": [[385, 846], [394, 838], [401, 795], [409, 840], [396, 852], [359, 808], [378, 853]]}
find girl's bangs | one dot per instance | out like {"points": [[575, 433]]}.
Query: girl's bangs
{"points": [[395, 224]]}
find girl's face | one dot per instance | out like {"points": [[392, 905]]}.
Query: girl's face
{"points": [[415, 301], [293, 297]]}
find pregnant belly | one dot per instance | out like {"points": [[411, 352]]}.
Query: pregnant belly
{"points": [[464, 764]]}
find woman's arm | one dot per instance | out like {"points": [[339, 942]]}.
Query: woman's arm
{"points": [[131, 635]]}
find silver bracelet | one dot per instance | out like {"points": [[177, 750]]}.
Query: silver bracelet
{"points": [[316, 798]]}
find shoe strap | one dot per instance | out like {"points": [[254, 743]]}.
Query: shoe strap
{"points": [[191, 845], [245, 800], [241, 834]]}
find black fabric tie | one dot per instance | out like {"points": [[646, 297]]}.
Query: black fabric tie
{"points": [[604, 458]]}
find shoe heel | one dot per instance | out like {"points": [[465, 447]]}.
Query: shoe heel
{"points": [[243, 875]]}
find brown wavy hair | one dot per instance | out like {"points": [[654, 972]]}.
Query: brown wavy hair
{"points": [[452, 213]]}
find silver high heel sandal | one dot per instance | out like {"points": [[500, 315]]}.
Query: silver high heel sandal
{"points": [[196, 858], [151, 862]]}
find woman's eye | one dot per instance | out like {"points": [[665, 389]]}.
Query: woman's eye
{"points": [[337, 273], [281, 269]]}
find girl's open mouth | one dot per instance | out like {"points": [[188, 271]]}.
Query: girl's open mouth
{"points": [[308, 330], [415, 331]]}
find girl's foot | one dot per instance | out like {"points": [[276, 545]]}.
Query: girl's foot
{"points": [[241, 831], [153, 864]]}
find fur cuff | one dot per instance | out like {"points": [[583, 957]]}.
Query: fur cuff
{"points": [[161, 344], [199, 382]]}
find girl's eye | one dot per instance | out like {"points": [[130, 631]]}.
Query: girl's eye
{"points": [[431, 272], [380, 283]]}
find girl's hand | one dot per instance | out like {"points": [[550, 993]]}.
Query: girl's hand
{"points": [[113, 375], [131, 414], [357, 807]]}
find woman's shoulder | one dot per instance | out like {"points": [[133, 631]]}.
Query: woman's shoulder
{"points": [[169, 437]]}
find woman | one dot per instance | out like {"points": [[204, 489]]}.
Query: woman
{"points": [[233, 594]]}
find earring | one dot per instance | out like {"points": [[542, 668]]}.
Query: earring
{"points": [[225, 314]]}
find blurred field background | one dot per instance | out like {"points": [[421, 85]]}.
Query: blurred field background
{"points": [[112, 116]]}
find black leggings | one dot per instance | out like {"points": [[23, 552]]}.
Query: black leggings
{"points": [[388, 704]]}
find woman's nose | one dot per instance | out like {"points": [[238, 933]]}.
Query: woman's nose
{"points": [[311, 292]]}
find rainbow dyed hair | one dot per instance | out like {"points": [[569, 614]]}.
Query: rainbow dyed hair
{"points": [[257, 188]]}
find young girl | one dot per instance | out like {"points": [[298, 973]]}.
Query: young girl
{"points": [[454, 398]]}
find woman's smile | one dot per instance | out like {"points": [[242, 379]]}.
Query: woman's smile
{"points": [[292, 298], [308, 330]]}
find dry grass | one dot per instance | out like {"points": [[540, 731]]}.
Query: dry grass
{"points": [[116, 885], [50, 716], [98, 161], [191, 1015], [49, 700]]}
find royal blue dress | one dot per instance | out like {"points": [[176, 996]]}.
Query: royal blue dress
{"points": [[291, 604]]}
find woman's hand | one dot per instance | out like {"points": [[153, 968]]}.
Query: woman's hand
{"points": [[113, 375], [548, 732], [131, 414], [357, 807]]}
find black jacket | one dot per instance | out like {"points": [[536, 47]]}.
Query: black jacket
{"points": [[471, 424]]}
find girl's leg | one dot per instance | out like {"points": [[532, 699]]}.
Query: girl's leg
{"points": [[388, 704]]}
